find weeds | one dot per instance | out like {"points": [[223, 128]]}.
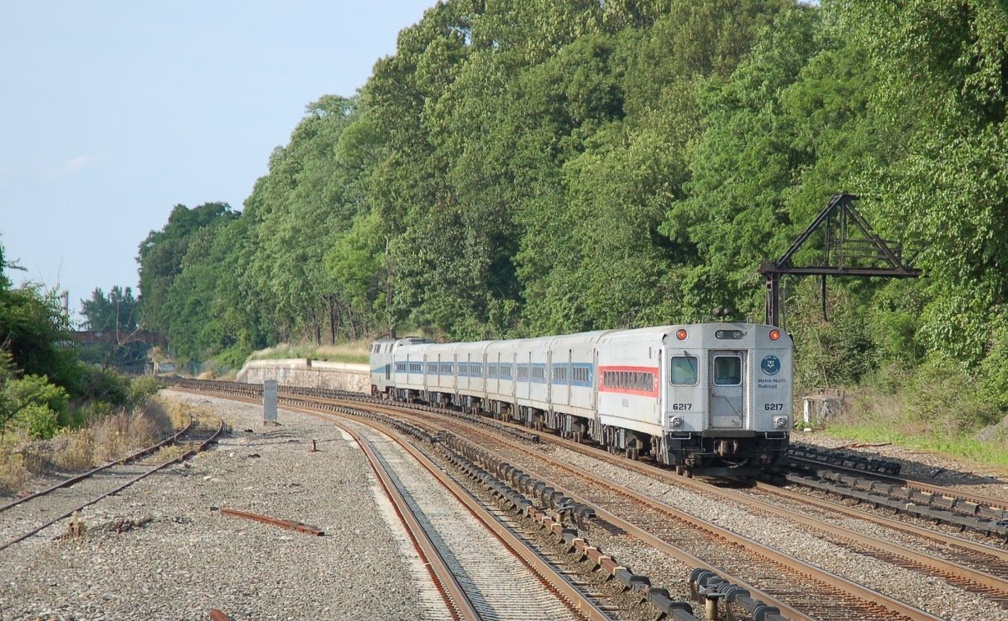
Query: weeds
{"points": [[350, 353], [107, 437], [13, 472], [933, 411]]}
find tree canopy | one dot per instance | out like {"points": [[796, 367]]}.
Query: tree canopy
{"points": [[542, 166]]}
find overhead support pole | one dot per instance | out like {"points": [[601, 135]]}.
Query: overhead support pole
{"points": [[851, 247]]}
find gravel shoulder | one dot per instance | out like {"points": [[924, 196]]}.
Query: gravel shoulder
{"points": [[184, 557], [187, 557]]}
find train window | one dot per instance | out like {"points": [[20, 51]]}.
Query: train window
{"points": [[560, 374], [400, 367], [539, 373], [522, 372], [477, 370], [432, 368], [684, 370], [727, 370]]}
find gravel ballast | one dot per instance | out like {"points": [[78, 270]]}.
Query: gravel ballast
{"points": [[190, 558], [185, 557]]}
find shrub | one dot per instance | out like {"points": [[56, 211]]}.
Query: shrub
{"points": [[142, 388], [944, 396], [105, 386], [38, 421], [994, 368]]}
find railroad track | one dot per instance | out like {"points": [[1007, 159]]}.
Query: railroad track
{"points": [[971, 566], [483, 592], [565, 567], [877, 483], [799, 591], [31, 514]]}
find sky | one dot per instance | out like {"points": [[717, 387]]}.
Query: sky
{"points": [[114, 111]]}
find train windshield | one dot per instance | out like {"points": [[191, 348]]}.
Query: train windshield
{"points": [[684, 370]]}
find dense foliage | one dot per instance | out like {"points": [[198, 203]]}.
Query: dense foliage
{"points": [[545, 166], [45, 384]]}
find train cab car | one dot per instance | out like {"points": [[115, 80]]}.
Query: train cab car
{"points": [[381, 367], [726, 404]]}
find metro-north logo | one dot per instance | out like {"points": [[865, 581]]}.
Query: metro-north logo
{"points": [[770, 365]]}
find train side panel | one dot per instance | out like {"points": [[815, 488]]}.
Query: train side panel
{"points": [[500, 360], [572, 374], [629, 380]]}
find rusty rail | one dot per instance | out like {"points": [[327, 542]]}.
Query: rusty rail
{"points": [[288, 524]]}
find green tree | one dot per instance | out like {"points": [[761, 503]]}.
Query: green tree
{"points": [[36, 333], [941, 96], [118, 312], [116, 317]]}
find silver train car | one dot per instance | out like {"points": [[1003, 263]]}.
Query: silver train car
{"points": [[713, 399]]}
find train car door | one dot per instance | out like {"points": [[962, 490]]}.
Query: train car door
{"points": [[566, 385], [727, 389]]}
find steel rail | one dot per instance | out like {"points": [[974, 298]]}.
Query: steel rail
{"points": [[131, 481], [451, 590], [300, 527], [80, 477], [809, 571]]}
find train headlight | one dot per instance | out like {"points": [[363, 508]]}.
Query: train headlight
{"points": [[681, 334], [774, 335], [677, 422], [780, 422]]}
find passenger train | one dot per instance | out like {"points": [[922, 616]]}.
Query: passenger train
{"points": [[713, 399]]}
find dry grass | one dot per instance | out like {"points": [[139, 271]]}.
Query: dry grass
{"points": [[108, 439], [168, 453], [355, 352], [13, 471]]}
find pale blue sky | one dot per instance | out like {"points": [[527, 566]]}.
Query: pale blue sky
{"points": [[113, 112]]}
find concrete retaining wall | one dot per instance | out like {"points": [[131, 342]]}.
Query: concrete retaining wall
{"points": [[308, 373]]}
